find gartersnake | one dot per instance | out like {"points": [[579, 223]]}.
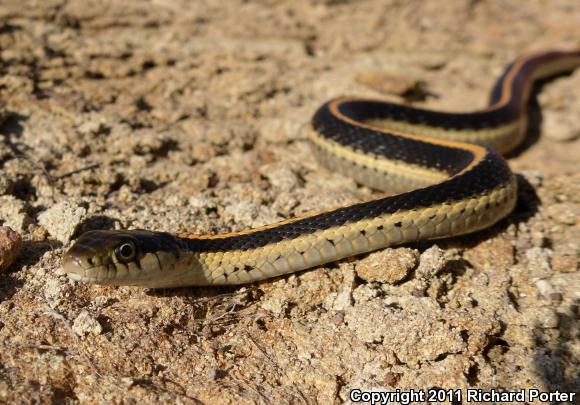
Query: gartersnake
{"points": [[445, 167]]}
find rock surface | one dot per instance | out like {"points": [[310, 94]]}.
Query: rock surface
{"points": [[62, 220], [10, 243], [189, 116]]}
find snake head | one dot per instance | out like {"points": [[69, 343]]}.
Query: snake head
{"points": [[132, 257]]}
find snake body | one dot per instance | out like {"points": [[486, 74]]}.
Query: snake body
{"points": [[445, 167]]}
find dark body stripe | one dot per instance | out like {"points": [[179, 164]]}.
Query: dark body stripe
{"points": [[522, 78], [383, 143], [368, 109], [491, 173]]}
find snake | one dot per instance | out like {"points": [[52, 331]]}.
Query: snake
{"points": [[444, 172]]}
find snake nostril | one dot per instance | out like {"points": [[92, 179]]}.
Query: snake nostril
{"points": [[91, 261]]}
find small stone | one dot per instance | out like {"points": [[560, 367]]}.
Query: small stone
{"points": [[391, 379], [212, 373], [543, 317], [10, 243], [52, 292], [201, 202], [539, 261], [127, 382], [85, 324], [6, 184], [62, 220], [278, 130], [281, 178], [364, 293], [560, 126], [275, 305], [175, 201], [565, 213], [13, 213], [338, 318], [207, 332], [565, 264], [250, 215], [92, 124], [433, 260], [393, 84], [387, 265], [342, 299], [434, 62], [556, 296], [544, 288], [101, 300]]}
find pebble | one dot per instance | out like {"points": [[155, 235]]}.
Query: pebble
{"points": [[278, 130], [544, 288], [392, 84], [6, 184], [565, 213], [419, 292], [543, 317], [92, 124], [52, 292], [392, 379], [84, 324], [201, 202], [62, 220], [556, 296], [560, 126], [281, 178], [338, 318], [250, 215], [433, 260], [342, 299], [13, 213], [387, 265], [10, 242], [364, 293], [275, 305], [565, 264], [539, 261]]}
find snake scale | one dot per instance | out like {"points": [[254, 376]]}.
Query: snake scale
{"points": [[446, 168]]}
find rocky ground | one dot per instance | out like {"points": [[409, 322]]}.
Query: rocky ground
{"points": [[188, 116]]}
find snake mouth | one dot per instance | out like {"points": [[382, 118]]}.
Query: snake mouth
{"points": [[76, 277], [112, 274], [84, 279], [81, 268], [103, 274], [73, 267]]}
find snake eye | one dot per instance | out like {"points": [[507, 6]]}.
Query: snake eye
{"points": [[126, 252]]}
